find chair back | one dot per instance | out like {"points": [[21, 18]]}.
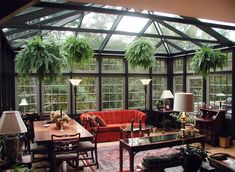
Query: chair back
{"points": [[65, 144], [94, 131]]}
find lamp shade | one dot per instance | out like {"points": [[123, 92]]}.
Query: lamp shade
{"points": [[183, 102], [23, 102], [75, 81], [166, 94], [145, 81], [220, 95], [12, 123]]}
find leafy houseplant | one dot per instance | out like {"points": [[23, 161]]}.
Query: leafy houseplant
{"points": [[77, 50], [42, 57], [207, 59], [140, 54]]}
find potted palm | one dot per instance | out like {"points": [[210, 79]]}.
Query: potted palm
{"points": [[42, 57], [207, 59], [140, 54], [77, 50]]}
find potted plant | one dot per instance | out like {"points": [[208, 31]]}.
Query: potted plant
{"points": [[207, 59], [42, 57], [77, 50], [140, 54], [192, 157]]}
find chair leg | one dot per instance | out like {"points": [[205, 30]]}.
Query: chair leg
{"points": [[92, 156], [96, 159]]}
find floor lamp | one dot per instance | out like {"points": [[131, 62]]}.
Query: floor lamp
{"points": [[75, 83], [183, 103], [220, 95], [11, 124], [145, 82]]}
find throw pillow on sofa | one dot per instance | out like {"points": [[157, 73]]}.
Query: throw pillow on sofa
{"points": [[99, 120], [90, 120]]}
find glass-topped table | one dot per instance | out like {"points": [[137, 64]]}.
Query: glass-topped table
{"points": [[134, 145]]}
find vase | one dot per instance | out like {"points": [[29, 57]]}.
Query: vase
{"points": [[58, 124]]}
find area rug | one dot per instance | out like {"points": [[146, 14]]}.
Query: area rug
{"points": [[109, 158]]}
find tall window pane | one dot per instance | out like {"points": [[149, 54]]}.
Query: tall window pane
{"points": [[112, 93], [158, 85], [26, 88], [178, 83], [136, 93], [55, 95], [178, 65], [86, 94], [160, 66]]}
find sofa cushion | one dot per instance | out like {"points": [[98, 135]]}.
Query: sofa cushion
{"points": [[99, 120], [90, 119]]}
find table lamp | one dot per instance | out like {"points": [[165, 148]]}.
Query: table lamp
{"points": [[166, 95], [75, 83], [23, 102], [183, 103], [11, 124], [220, 95], [145, 82]]}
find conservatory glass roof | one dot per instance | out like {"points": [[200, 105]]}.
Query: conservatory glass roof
{"points": [[110, 29]]}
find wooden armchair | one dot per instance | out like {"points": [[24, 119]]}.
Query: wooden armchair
{"points": [[65, 148]]}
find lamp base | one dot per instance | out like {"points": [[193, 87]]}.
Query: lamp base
{"points": [[12, 148]]}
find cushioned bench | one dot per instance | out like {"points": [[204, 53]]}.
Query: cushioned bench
{"points": [[110, 122]]}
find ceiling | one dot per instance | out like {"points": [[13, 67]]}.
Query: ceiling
{"points": [[220, 10], [110, 29]]}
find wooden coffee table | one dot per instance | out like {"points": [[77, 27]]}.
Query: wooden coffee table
{"points": [[127, 131]]}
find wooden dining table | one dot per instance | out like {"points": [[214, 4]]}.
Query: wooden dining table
{"points": [[43, 131]]}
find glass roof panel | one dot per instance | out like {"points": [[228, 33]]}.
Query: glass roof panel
{"points": [[151, 29], [166, 31], [119, 42], [161, 49], [229, 34], [60, 35], [186, 45], [191, 30], [173, 49], [154, 41], [94, 39], [132, 24], [98, 21], [29, 10]]}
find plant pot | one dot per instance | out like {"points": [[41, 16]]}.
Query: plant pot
{"points": [[192, 163]]}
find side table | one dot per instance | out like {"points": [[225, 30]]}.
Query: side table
{"points": [[127, 131]]}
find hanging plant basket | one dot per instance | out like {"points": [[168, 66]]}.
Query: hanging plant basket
{"points": [[77, 50], [207, 59], [42, 57], [140, 54]]}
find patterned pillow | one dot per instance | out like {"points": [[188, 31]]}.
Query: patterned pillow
{"points": [[90, 120], [99, 120]]}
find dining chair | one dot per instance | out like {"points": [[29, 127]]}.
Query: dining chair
{"points": [[90, 146], [65, 148]]}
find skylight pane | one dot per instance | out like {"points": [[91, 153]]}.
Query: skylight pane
{"points": [[98, 21], [94, 39], [151, 30], [132, 24], [229, 34], [186, 45], [166, 31], [161, 49], [173, 49], [119, 42], [191, 30]]}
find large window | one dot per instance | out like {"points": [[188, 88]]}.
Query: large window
{"points": [[55, 95], [178, 65], [112, 93], [26, 88], [159, 85], [86, 94], [112, 65], [160, 66]]}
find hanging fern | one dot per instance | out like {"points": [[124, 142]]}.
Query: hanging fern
{"points": [[42, 57], [206, 59], [140, 54], [77, 51]]}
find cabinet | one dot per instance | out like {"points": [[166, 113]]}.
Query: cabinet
{"points": [[211, 124]]}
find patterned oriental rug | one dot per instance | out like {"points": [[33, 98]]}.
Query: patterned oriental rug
{"points": [[109, 158]]}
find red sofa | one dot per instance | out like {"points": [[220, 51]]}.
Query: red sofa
{"points": [[114, 119]]}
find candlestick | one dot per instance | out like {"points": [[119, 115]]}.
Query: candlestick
{"points": [[140, 128]]}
